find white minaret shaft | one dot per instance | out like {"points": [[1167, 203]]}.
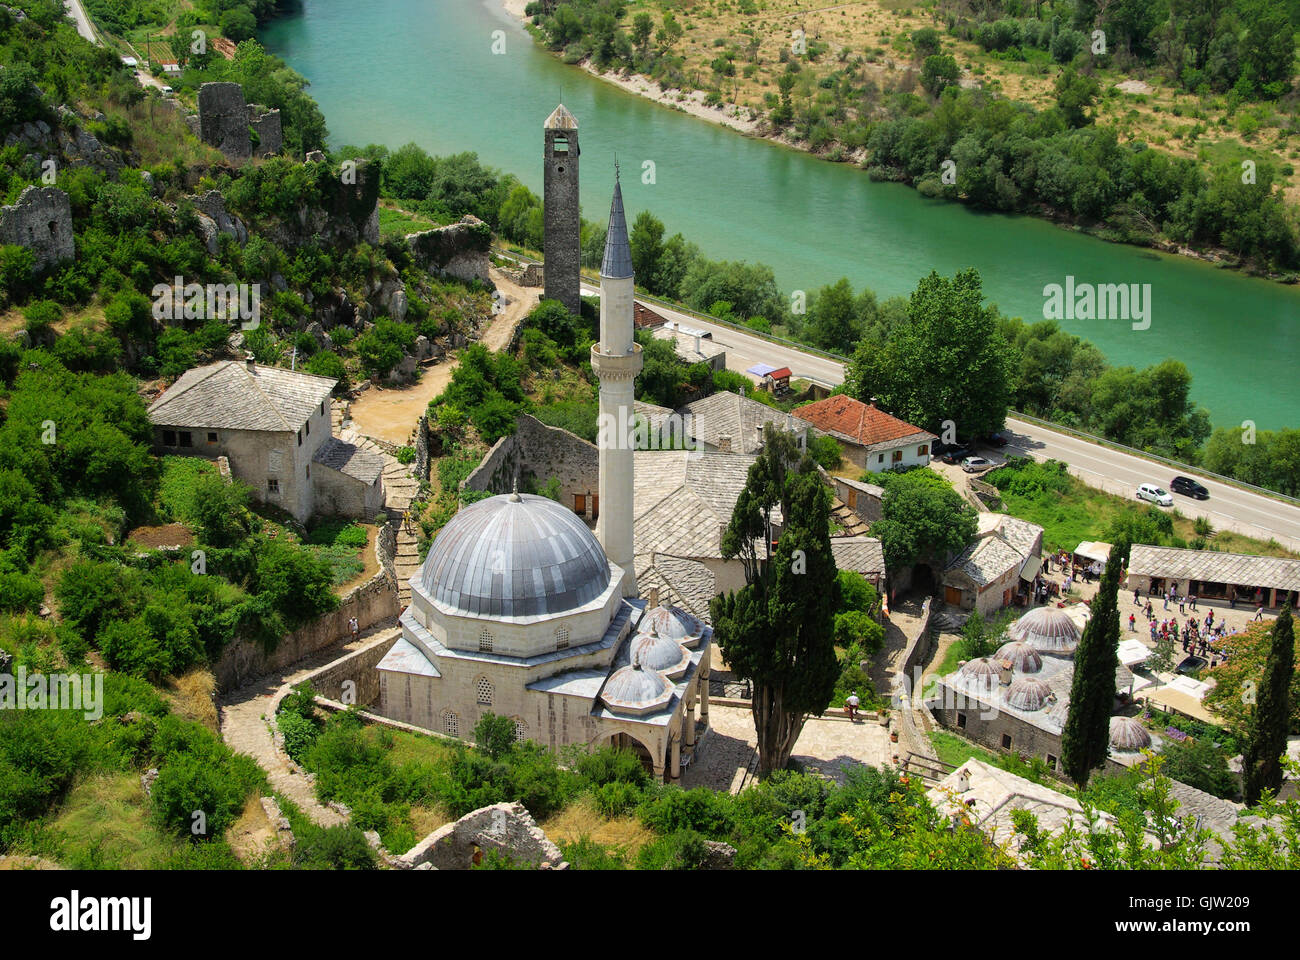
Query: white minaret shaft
{"points": [[616, 360]]}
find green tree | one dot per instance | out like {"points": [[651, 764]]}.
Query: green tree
{"points": [[646, 241], [939, 72], [923, 519], [1092, 690], [778, 631], [833, 322], [1075, 93], [494, 735], [1271, 722]]}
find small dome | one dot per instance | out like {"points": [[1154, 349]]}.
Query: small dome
{"points": [[635, 689], [1023, 656], [983, 667], [1049, 629], [655, 652], [1127, 735], [1028, 693], [673, 623]]}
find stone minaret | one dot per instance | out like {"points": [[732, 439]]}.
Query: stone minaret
{"points": [[616, 360], [562, 237]]}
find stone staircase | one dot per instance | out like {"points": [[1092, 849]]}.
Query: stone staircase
{"points": [[846, 519]]}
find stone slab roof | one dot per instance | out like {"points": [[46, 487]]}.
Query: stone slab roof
{"points": [[986, 560], [685, 346], [862, 554], [350, 460], [406, 657], [232, 395], [683, 583], [870, 489], [1210, 565], [729, 414], [861, 423]]}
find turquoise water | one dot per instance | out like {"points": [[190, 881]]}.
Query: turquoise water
{"points": [[396, 71]]}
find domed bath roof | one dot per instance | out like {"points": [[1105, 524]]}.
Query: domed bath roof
{"points": [[983, 667], [1127, 735], [1023, 656], [515, 555], [1049, 629], [673, 623], [1028, 693], [636, 689]]}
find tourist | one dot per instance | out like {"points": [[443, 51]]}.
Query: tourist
{"points": [[1259, 613], [851, 705], [354, 627], [1192, 599], [1132, 623], [1166, 600], [1182, 605]]}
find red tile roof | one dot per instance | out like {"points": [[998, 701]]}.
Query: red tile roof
{"points": [[859, 422], [782, 374], [643, 316]]}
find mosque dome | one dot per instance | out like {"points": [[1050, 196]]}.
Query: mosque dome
{"points": [[1023, 656], [515, 555], [983, 667], [1127, 735], [657, 652], [674, 623], [636, 689], [1028, 693], [1049, 629]]}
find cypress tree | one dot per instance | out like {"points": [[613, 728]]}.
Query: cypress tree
{"points": [[1092, 691], [1261, 765]]}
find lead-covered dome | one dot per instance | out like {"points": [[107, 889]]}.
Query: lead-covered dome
{"points": [[1127, 735], [515, 555], [1049, 629], [1028, 693], [1022, 656]]}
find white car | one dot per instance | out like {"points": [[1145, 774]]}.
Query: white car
{"points": [[1157, 495], [976, 464], [167, 91]]}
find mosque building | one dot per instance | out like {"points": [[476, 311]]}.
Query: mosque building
{"points": [[521, 611]]}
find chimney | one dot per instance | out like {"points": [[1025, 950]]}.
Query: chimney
{"points": [[248, 360], [724, 444], [697, 344], [1004, 674], [653, 597], [963, 780]]}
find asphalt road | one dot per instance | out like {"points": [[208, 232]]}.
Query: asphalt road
{"points": [[77, 13], [1228, 508]]}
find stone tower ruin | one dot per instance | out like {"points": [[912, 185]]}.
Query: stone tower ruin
{"points": [[562, 240]]}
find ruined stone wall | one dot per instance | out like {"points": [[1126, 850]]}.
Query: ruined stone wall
{"points": [[370, 603], [422, 457], [459, 250], [40, 221], [504, 827], [266, 124], [535, 453], [223, 119]]}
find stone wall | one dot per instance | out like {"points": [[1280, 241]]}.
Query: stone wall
{"points": [[41, 221], [422, 456], [223, 119], [504, 827], [357, 667], [459, 250], [371, 603], [340, 495], [535, 453], [266, 124]]}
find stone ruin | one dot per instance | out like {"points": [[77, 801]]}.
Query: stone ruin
{"points": [[41, 221], [459, 250], [224, 121], [507, 828]]}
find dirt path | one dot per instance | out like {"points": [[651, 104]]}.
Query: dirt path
{"points": [[391, 414], [244, 725]]}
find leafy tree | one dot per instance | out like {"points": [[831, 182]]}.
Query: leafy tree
{"points": [[923, 519], [646, 241], [776, 631], [1092, 690], [1075, 93], [494, 735], [1271, 722], [833, 322], [238, 24], [1202, 764], [939, 72]]}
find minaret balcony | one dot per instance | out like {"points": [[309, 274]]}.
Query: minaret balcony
{"points": [[616, 366]]}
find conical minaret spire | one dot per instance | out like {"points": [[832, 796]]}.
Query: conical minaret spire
{"points": [[616, 360]]}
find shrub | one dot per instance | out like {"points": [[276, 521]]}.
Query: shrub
{"points": [[494, 735], [190, 784], [335, 848], [674, 809], [682, 850]]}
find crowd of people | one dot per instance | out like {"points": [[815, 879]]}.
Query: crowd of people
{"points": [[1197, 636]]}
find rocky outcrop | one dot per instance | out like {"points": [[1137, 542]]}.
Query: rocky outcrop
{"points": [[507, 828], [347, 211], [459, 250], [41, 221], [67, 140], [215, 221]]}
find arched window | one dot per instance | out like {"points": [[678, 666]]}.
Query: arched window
{"points": [[451, 724], [485, 641], [483, 689]]}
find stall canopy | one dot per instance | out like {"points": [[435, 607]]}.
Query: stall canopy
{"points": [[761, 369], [1133, 652], [1030, 568], [1093, 550]]}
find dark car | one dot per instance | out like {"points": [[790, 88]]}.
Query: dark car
{"points": [[998, 439], [1189, 488], [954, 455], [1191, 664]]}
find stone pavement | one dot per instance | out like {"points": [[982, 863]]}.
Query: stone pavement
{"points": [[245, 714]]}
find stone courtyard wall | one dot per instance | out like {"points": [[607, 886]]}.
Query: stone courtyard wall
{"points": [[535, 453]]}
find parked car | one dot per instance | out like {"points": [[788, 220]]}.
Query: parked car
{"points": [[1149, 491], [998, 439], [1191, 664], [1189, 488], [167, 91], [976, 464], [954, 454]]}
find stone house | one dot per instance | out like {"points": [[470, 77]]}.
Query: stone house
{"points": [[273, 426], [732, 423], [693, 347], [871, 438], [1266, 581], [997, 567]]}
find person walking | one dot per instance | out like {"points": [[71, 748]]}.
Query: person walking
{"points": [[1182, 605], [1259, 613], [1132, 623], [1136, 600], [1192, 598], [851, 705], [354, 627]]}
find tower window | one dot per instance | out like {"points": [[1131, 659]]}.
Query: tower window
{"points": [[560, 145]]}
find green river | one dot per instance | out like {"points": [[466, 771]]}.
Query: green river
{"points": [[396, 71]]}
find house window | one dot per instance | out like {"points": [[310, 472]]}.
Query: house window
{"points": [[309, 471], [961, 721], [186, 438], [897, 456], [309, 428], [273, 486], [880, 459], [483, 690], [561, 638], [169, 438], [521, 730], [922, 450], [1006, 741], [451, 724], [322, 408], [485, 642], [300, 438], [1051, 762], [212, 437]]}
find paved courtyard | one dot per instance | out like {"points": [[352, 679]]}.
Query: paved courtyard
{"points": [[827, 745]]}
